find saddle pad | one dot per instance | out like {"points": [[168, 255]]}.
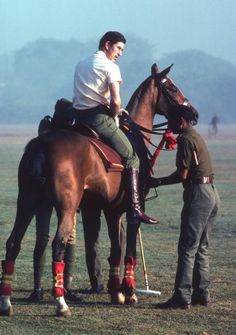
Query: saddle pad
{"points": [[110, 157]]}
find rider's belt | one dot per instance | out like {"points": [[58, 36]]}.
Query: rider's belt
{"points": [[203, 180]]}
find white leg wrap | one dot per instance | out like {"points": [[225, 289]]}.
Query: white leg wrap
{"points": [[5, 302], [5, 306], [61, 304]]}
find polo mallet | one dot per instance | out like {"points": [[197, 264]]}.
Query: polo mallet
{"points": [[170, 143], [147, 290]]}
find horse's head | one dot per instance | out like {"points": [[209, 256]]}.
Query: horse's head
{"points": [[169, 94]]}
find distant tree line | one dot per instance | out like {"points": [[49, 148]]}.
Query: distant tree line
{"points": [[34, 77]]}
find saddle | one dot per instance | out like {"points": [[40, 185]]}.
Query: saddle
{"points": [[109, 156]]}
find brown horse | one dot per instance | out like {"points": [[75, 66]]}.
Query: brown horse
{"points": [[62, 169]]}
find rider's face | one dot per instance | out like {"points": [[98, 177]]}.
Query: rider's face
{"points": [[114, 51]]}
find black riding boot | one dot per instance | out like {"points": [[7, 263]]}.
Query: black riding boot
{"points": [[135, 213]]}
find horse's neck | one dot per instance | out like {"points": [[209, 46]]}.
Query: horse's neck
{"points": [[143, 109]]}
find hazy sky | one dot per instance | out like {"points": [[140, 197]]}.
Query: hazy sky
{"points": [[169, 25]]}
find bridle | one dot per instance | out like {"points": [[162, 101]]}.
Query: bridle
{"points": [[167, 87], [168, 142], [173, 97], [164, 88]]}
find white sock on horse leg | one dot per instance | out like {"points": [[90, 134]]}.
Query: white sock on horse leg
{"points": [[5, 302], [61, 304]]}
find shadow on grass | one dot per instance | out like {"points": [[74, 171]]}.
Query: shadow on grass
{"points": [[88, 300]]}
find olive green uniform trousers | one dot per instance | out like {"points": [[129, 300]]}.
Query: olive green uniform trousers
{"points": [[201, 203]]}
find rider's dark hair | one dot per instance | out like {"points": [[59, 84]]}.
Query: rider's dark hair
{"points": [[111, 36]]}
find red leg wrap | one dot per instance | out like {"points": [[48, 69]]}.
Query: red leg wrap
{"points": [[6, 280], [114, 282], [128, 280], [58, 279]]}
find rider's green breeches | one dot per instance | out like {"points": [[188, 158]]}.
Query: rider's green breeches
{"points": [[106, 127]]}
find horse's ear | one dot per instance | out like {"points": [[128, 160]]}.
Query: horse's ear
{"points": [[164, 72], [154, 69]]}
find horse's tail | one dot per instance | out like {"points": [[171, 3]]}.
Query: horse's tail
{"points": [[32, 168]]}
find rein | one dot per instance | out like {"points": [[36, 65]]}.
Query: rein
{"points": [[170, 144], [167, 139], [155, 126]]}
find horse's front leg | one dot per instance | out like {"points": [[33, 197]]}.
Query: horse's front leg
{"points": [[65, 226], [128, 283], [114, 222]]}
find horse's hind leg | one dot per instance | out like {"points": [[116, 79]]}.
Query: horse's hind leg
{"points": [[68, 189], [43, 216], [24, 215], [128, 283], [114, 282], [65, 227]]}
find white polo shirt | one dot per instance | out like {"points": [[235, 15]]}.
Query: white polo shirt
{"points": [[92, 78]]}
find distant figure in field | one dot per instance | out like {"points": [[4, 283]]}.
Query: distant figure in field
{"points": [[213, 126]]}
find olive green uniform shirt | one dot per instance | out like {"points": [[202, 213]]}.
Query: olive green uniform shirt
{"points": [[192, 154]]}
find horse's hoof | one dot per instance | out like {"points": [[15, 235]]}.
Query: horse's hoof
{"points": [[118, 298], [7, 312], [5, 306], [131, 299], [62, 308], [66, 313]]}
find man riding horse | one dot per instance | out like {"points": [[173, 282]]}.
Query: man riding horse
{"points": [[96, 78]]}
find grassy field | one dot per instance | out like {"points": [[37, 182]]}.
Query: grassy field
{"points": [[95, 315]]}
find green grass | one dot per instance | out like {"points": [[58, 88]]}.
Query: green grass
{"points": [[95, 315]]}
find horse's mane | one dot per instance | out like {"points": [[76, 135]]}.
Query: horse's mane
{"points": [[137, 95]]}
